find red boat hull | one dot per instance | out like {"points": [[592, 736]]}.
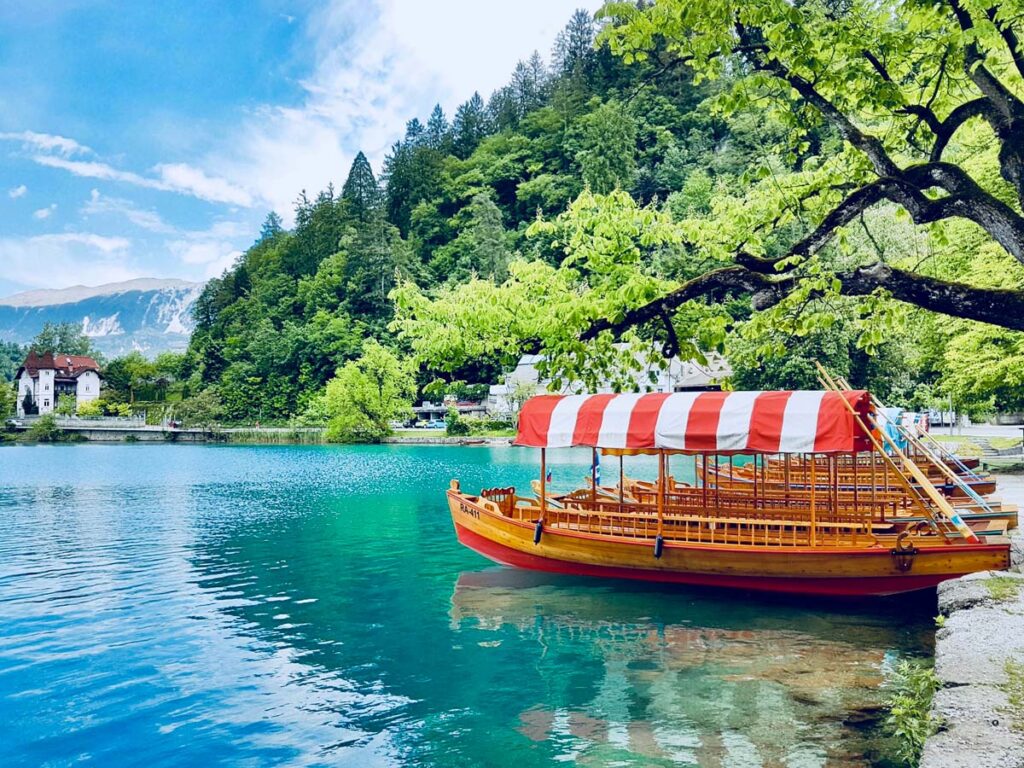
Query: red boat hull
{"points": [[840, 587]]}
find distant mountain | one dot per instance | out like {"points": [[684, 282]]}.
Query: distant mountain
{"points": [[148, 314]]}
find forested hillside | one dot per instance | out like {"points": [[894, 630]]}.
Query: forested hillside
{"points": [[629, 165], [453, 201]]}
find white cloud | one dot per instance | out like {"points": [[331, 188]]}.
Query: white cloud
{"points": [[16, 192], [45, 213], [402, 58], [65, 259], [46, 142], [180, 178], [213, 250], [189, 180], [99, 205]]}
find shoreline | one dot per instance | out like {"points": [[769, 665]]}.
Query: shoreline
{"points": [[979, 661]]}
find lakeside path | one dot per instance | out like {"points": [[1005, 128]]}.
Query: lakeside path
{"points": [[979, 660]]}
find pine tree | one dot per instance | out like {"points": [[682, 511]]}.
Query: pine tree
{"points": [[272, 227], [574, 45], [529, 85], [469, 127], [360, 192], [437, 135], [607, 157], [414, 131], [397, 176], [488, 252]]}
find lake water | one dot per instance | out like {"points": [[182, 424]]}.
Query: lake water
{"points": [[253, 606]]}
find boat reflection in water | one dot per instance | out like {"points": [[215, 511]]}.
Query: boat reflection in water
{"points": [[673, 676]]}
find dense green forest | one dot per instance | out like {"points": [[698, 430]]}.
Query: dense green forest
{"points": [[763, 180], [454, 202]]}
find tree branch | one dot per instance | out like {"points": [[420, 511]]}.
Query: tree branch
{"points": [[869, 145], [944, 130], [1009, 106], [1009, 37], [997, 306], [717, 283]]}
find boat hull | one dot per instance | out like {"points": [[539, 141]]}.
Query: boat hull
{"points": [[851, 572]]}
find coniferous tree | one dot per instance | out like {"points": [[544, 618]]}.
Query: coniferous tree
{"points": [[574, 45], [607, 156], [414, 131], [437, 135], [502, 109], [469, 127], [360, 191], [398, 181], [529, 85], [272, 227]]}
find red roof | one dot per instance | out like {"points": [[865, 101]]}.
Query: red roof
{"points": [[66, 366], [715, 422]]}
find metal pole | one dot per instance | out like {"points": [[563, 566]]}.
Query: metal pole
{"points": [[543, 484], [814, 514]]}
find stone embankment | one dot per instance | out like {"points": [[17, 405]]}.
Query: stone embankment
{"points": [[979, 660], [448, 440]]}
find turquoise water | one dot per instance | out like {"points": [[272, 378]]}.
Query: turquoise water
{"points": [[252, 606]]}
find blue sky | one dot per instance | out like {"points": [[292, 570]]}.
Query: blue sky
{"points": [[151, 138]]}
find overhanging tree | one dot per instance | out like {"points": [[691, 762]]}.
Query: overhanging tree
{"points": [[897, 81]]}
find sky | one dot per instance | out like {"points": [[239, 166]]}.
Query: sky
{"points": [[151, 139]]}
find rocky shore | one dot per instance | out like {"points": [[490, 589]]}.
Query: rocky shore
{"points": [[979, 660]]}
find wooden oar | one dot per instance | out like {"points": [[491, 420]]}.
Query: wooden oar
{"points": [[937, 462], [909, 466]]}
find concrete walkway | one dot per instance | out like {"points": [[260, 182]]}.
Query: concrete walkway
{"points": [[979, 658]]}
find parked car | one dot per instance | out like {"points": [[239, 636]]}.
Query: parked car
{"points": [[436, 424]]}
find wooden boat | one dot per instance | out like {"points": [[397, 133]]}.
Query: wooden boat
{"points": [[813, 543], [890, 500]]}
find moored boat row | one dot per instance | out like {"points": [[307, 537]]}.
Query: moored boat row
{"points": [[818, 505]]}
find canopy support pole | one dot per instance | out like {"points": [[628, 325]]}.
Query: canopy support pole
{"points": [[593, 475], [814, 508], [543, 496], [659, 542], [622, 481]]}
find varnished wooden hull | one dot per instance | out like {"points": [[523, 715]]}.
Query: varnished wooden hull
{"points": [[861, 571]]}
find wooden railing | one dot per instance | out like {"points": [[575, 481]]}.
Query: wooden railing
{"points": [[775, 524]]}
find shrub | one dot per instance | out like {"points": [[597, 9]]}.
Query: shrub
{"points": [[910, 721], [455, 425], [45, 430], [65, 407], [118, 409], [90, 408]]}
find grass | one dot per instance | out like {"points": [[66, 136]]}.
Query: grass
{"points": [[290, 437], [910, 721], [442, 433], [1002, 443], [1002, 588], [1014, 689], [962, 445], [418, 433]]}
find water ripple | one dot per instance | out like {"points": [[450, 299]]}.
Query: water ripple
{"points": [[179, 605]]}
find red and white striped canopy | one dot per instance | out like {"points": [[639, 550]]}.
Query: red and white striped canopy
{"points": [[716, 422]]}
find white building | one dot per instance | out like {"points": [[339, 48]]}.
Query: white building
{"points": [[504, 400], [44, 380]]}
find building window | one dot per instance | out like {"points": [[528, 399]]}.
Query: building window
{"points": [[46, 403], [47, 387]]}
